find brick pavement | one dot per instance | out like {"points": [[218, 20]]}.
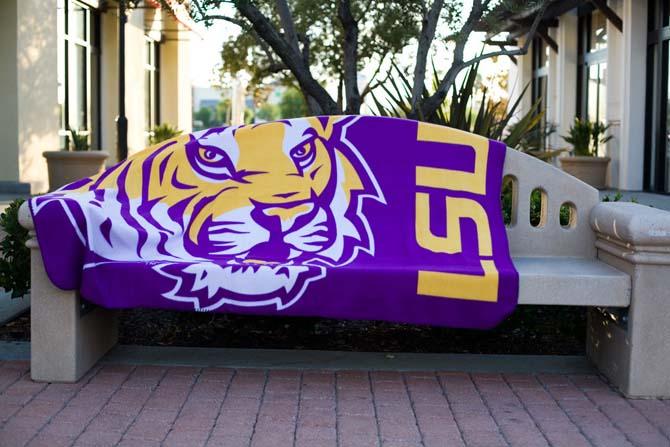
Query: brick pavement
{"points": [[183, 406]]}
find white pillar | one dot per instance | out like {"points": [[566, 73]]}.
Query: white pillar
{"points": [[29, 88], [632, 93], [615, 69], [566, 76], [553, 100]]}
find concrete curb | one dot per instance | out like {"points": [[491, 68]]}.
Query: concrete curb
{"points": [[327, 360]]}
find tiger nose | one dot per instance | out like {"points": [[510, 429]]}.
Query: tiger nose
{"points": [[288, 215]]}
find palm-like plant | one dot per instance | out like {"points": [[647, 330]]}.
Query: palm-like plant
{"points": [[490, 119], [78, 141], [163, 132], [585, 137]]}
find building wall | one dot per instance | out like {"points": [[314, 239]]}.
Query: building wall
{"points": [[29, 118], [176, 101], [9, 143], [135, 88], [626, 67], [37, 88], [632, 92], [109, 81]]}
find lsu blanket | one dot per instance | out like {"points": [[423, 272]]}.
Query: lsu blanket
{"points": [[344, 217]]}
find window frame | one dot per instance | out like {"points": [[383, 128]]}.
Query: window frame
{"points": [[586, 59], [656, 138], [152, 91], [91, 43], [540, 76]]}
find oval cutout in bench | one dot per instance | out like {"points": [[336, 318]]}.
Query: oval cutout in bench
{"points": [[538, 208], [567, 216]]}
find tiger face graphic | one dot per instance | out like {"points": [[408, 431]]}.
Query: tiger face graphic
{"points": [[245, 216]]}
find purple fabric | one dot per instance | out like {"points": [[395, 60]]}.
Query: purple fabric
{"points": [[303, 217]]}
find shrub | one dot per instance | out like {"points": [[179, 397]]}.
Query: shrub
{"points": [[585, 137], [14, 255], [78, 141], [162, 133]]}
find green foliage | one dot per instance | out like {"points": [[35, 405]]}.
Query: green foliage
{"points": [[207, 117], [163, 132], [385, 28], [292, 104], [267, 112], [204, 115], [223, 112], [467, 110], [535, 204], [248, 116], [78, 141], [14, 255], [585, 137], [617, 198]]}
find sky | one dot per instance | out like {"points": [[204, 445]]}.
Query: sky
{"points": [[206, 51]]}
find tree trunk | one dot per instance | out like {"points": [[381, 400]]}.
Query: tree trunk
{"points": [[290, 56], [428, 26], [350, 57]]}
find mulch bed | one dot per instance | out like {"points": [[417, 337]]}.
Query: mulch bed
{"points": [[530, 330]]}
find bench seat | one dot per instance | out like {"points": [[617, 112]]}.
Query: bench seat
{"points": [[570, 281]]}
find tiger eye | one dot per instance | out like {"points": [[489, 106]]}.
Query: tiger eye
{"points": [[301, 150]]}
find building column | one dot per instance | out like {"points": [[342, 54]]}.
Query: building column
{"points": [[175, 87], [566, 76], [520, 76], [632, 94], [29, 88], [554, 99], [615, 69]]}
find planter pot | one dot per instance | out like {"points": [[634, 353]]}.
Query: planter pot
{"points": [[591, 170], [67, 166]]}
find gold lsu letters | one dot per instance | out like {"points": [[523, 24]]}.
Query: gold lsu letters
{"points": [[454, 285]]}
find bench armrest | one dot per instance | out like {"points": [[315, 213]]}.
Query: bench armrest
{"points": [[25, 217], [637, 233], [629, 347]]}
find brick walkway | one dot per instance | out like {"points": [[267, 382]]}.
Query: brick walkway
{"points": [[146, 406]]}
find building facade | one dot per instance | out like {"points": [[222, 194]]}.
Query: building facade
{"points": [[609, 64], [66, 77]]}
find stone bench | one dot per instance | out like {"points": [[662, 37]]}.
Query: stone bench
{"points": [[612, 257]]}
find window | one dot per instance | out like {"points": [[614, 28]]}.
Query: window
{"points": [[151, 85], [539, 82], [78, 70], [592, 65], [657, 133]]}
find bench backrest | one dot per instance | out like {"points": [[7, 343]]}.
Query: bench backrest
{"points": [[549, 237]]}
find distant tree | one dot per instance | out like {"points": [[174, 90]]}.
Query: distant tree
{"points": [[248, 116], [223, 111], [306, 41], [267, 112], [292, 104], [204, 115]]}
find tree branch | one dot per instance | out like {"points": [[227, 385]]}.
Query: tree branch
{"points": [[317, 97], [428, 26], [240, 23], [287, 23], [431, 104], [350, 57]]}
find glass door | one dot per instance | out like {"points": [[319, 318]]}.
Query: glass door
{"points": [[657, 132]]}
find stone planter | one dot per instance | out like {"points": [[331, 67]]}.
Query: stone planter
{"points": [[591, 170], [67, 166]]}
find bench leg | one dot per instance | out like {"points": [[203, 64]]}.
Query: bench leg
{"points": [[634, 353], [65, 342]]}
